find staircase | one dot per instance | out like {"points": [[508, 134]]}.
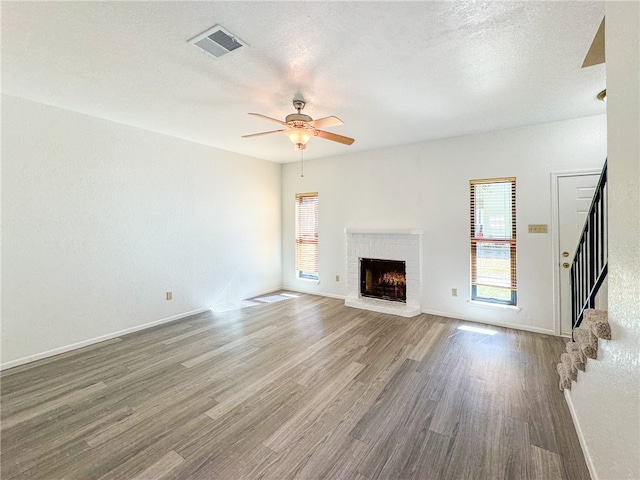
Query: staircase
{"points": [[595, 326], [588, 272]]}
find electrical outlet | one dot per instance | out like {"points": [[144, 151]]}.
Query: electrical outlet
{"points": [[169, 295], [454, 292], [337, 278], [538, 228]]}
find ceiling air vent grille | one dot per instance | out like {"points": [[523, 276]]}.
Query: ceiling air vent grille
{"points": [[217, 41]]}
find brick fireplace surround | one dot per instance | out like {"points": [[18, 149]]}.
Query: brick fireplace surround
{"points": [[402, 245]]}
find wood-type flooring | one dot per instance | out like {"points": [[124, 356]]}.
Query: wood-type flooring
{"points": [[303, 388]]}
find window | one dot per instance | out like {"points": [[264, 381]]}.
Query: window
{"points": [[307, 235], [493, 240]]}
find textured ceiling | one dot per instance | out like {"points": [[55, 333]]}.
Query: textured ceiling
{"points": [[394, 72]]}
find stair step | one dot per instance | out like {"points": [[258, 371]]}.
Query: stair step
{"points": [[591, 314], [597, 321]]}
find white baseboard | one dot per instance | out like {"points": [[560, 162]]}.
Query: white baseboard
{"points": [[109, 336], [102, 338], [319, 294], [514, 326], [583, 443]]}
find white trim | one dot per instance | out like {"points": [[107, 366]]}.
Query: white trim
{"points": [[319, 294], [101, 338], [583, 443], [514, 326], [555, 239], [330, 295]]}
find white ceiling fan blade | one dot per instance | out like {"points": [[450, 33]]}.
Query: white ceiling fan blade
{"points": [[334, 137], [263, 133], [326, 122], [268, 118]]}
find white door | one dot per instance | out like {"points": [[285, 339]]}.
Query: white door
{"points": [[574, 199]]}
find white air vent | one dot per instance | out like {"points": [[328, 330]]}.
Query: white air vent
{"points": [[217, 41]]}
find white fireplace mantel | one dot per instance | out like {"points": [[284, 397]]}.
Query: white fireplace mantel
{"points": [[385, 244]]}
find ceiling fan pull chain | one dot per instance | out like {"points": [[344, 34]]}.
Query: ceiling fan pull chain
{"points": [[302, 163]]}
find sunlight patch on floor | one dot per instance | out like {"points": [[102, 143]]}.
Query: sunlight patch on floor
{"points": [[276, 298], [230, 306], [485, 331]]}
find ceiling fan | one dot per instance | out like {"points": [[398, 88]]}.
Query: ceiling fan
{"points": [[300, 127]]}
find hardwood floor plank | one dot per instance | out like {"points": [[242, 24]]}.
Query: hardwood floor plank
{"points": [[545, 464], [162, 468], [227, 347], [189, 334], [430, 337], [338, 458], [34, 412], [465, 459], [427, 456], [226, 443], [307, 415], [386, 407], [250, 465], [391, 449], [51, 439]]}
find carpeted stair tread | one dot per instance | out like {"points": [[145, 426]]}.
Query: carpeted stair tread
{"points": [[598, 323], [595, 325]]}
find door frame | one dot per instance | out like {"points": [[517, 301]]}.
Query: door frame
{"points": [[555, 237]]}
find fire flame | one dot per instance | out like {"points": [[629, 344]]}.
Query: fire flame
{"points": [[392, 278]]}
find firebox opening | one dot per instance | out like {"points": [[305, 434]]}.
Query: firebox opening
{"points": [[384, 279]]}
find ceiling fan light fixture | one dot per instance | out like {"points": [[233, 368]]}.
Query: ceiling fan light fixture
{"points": [[298, 136]]}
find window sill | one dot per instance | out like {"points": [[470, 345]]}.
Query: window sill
{"points": [[316, 280], [493, 306]]}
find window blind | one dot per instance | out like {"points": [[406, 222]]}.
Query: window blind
{"points": [[307, 235], [493, 239]]}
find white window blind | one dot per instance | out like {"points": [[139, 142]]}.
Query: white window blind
{"points": [[307, 235], [493, 240]]}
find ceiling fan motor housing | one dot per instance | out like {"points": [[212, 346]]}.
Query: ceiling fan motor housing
{"points": [[297, 119]]}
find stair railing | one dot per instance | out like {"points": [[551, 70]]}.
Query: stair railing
{"points": [[589, 267]]}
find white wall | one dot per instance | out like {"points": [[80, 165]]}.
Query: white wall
{"points": [[100, 219], [606, 400], [426, 186]]}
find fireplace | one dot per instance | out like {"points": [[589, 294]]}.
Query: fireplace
{"points": [[398, 251], [384, 279]]}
